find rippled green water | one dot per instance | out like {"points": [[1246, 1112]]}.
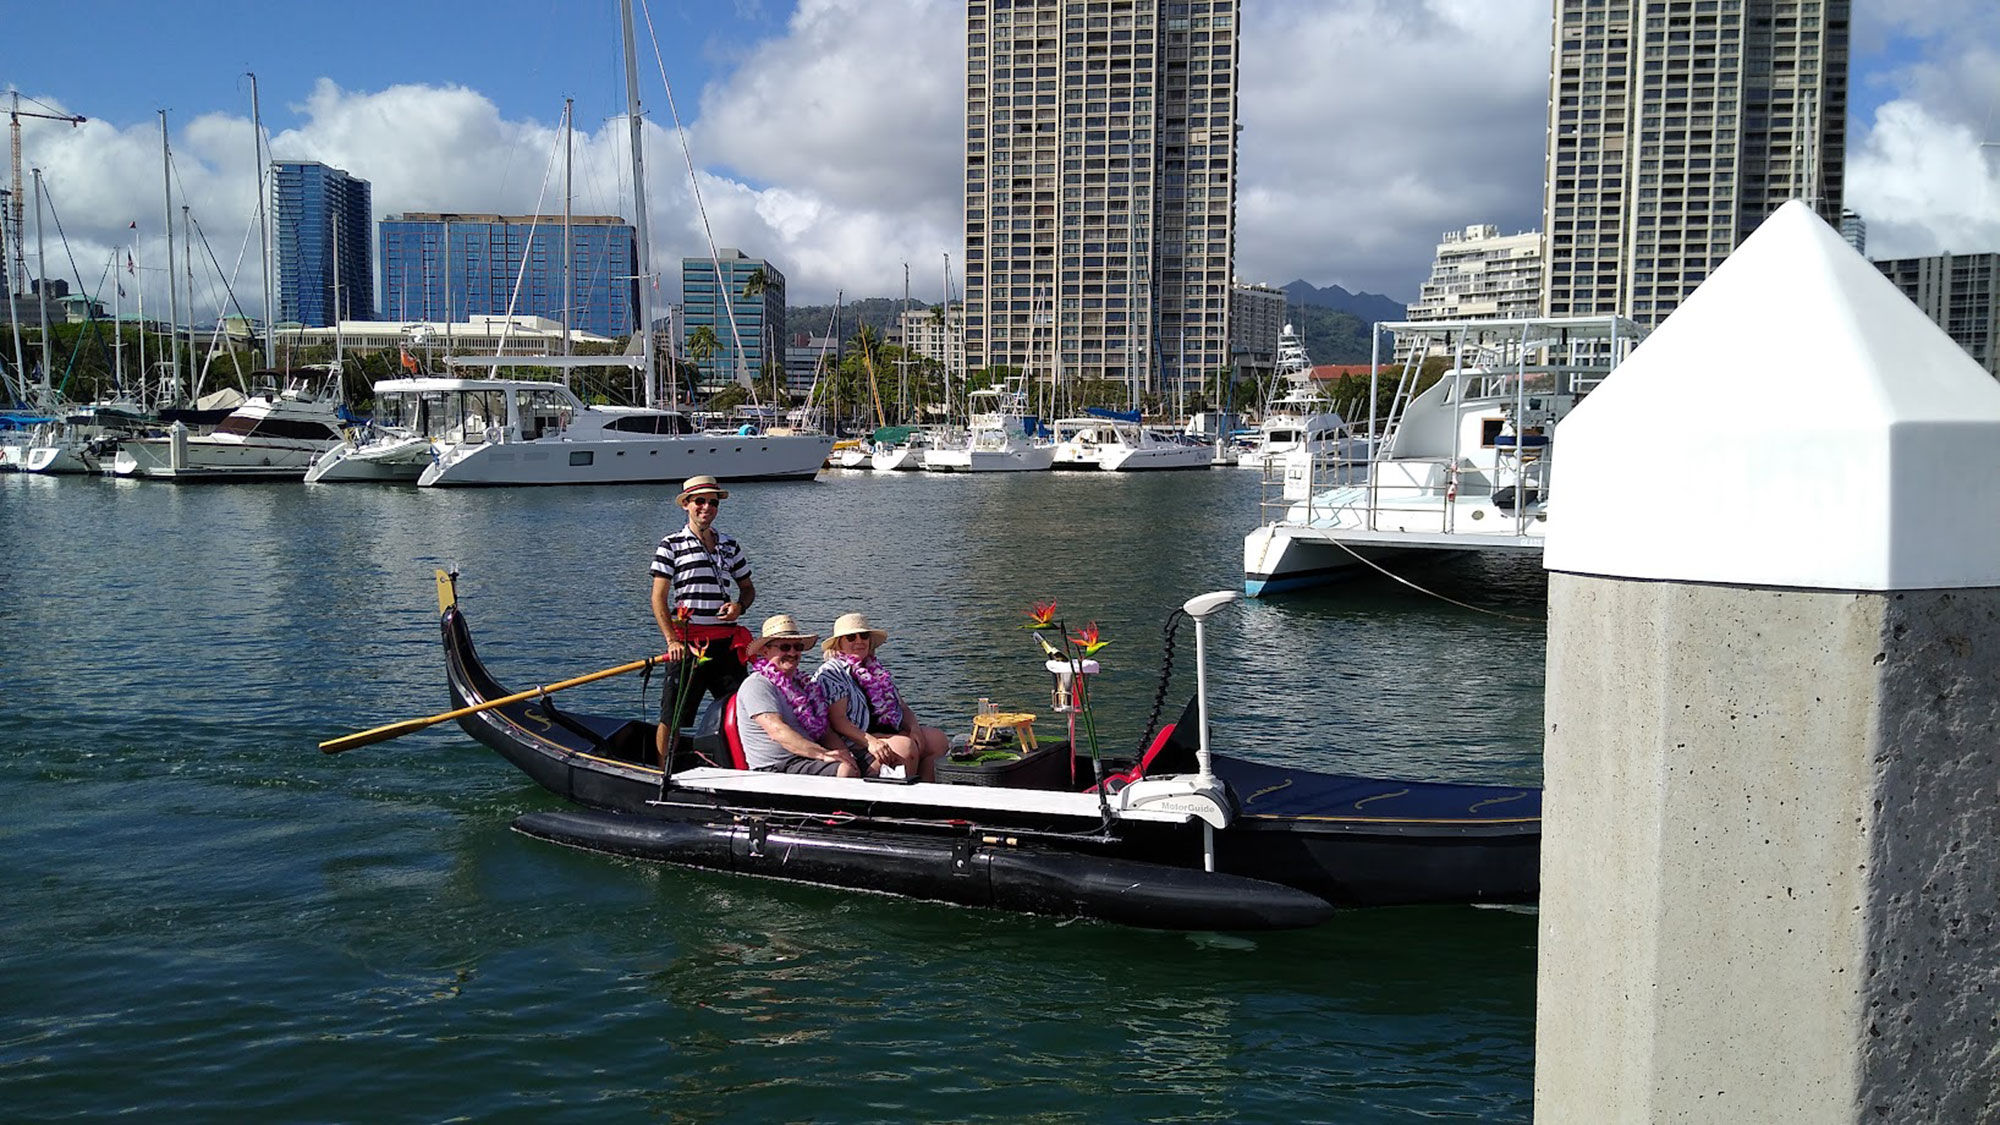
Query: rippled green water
{"points": [[204, 918]]}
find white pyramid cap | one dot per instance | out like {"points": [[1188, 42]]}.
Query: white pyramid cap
{"points": [[1796, 422]]}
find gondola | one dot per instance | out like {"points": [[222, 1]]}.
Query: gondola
{"points": [[1163, 842]]}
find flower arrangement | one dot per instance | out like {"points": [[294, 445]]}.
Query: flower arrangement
{"points": [[695, 654], [1071, 692]]}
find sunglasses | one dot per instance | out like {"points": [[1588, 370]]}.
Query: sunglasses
{"points": [[704, 502], [789, 646]]}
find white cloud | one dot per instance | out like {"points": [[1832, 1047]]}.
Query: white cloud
{"points": [[1372, 126], [1922, 170], [844, 140], [1924, 185]]}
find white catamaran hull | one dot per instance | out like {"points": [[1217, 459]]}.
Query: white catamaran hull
{"points": [[658, 459], [382, 462]]}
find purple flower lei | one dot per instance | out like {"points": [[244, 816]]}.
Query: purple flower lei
{"points": [[883, 701], [808, 705]]}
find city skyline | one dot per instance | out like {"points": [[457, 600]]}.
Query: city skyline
{"points": [[1369, 128]]}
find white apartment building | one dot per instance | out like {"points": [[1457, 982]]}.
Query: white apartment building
{"points": [[935, 335], [1675, 128], [1480, 273], [1961, 292], [1256, 317], [1100, 187]]}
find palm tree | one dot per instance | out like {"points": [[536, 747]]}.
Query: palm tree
{"points": [[702, 345], [755, 283]]}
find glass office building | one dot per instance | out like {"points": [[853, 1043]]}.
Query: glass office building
{"points": [[492, 265], [324, 270], [753, 297]]}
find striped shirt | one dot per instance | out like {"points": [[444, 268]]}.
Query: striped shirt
{"points": [[696, 572]]}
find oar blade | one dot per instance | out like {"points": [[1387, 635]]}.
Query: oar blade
{"points": [[379, 734]]}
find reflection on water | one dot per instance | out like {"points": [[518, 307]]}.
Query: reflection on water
{"points": [[203, 906]]}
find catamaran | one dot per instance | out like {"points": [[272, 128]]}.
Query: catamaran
{"points": [[1464, 462]]}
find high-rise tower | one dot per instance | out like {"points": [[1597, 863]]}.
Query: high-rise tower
{"points": [[323, 216], [1100, 187], [1675, 128]]}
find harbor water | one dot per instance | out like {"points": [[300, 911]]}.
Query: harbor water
{"points": [[205, 918]]}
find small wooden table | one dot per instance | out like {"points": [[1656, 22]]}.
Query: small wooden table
{"points": [[986, 728]]}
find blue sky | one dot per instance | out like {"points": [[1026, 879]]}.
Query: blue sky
{"points": [[828, 131]]}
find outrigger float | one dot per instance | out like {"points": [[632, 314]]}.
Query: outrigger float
{"points": [[1177, 838]]}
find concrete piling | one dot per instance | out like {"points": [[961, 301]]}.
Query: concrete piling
{"points": [[1771, 860]]}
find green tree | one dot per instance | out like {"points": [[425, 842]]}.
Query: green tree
{"points": [[702, 344], [755, 283]]}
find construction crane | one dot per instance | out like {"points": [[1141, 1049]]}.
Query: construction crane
{"points": [[14, 116]]}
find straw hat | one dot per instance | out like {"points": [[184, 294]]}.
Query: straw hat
{"points": [[703, 485], [850, 624], [779, 627]]}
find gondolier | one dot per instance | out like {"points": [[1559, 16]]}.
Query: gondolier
{"points": [[693, 569]]}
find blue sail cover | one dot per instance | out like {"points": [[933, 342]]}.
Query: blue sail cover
{"points": [[1114, 415]]}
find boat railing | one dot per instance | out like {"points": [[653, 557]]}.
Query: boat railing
{"points": [[1429, 494]]}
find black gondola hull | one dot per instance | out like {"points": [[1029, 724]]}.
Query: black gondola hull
{"points": [[963, 872]]}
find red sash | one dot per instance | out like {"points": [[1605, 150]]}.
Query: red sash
{"points": [[737, 636]]}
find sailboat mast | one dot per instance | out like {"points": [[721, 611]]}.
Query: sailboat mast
{"points": [[947, 336], [263, 227], [338, 311], [138, 287], [569, 289], [117, 329], [636, 125], [197, 371], [172, 381], [19, 388], [903, 361], [42, 289]]}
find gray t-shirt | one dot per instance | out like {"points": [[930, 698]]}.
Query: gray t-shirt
{"points": [[759, 696]]}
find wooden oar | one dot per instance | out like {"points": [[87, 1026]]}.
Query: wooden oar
{"points": [[398, 730]]}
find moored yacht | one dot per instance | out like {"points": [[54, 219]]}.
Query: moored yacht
{"points": [[900, 449], [272, 436], [999, 438], [526, 431], [1114, 441]]}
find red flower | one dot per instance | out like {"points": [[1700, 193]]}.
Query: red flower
{"points": [[1086, 639], [1043, 616]]}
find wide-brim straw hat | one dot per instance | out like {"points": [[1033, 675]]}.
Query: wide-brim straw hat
{"points": [[849, 624], [703, 485], [779, 627]]}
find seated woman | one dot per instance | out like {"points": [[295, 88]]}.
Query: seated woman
{"points": [[864, 707], [781, 715]]}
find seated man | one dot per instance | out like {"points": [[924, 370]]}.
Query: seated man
{"points": [[781, 715]]}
